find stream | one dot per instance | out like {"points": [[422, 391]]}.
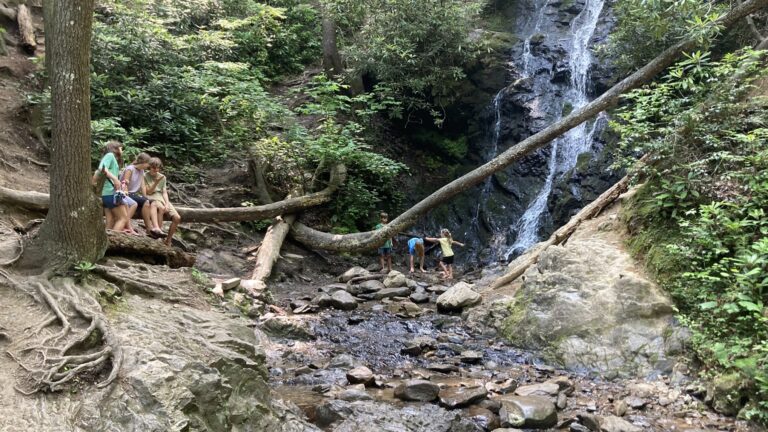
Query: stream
{"points": [[396, 341]]}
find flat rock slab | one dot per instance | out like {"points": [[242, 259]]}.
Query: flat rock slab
{"points": [[343, 300], [287, 327], [457, 397], [391, 292], [543, 389]]}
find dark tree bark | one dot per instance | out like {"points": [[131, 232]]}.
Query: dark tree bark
{"points": [[332, 64], [73, 229]]}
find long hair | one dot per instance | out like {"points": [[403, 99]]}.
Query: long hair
{"points": [[419, 249], [445, 233], [141, 158], [111, 147]]}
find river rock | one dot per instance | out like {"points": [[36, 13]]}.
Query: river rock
{"points": [[366, 287], [457, 298], [378, 416], [439, 289], [322, 300], [471, 357], [395, 279], [533, 412], [457, 397], [360, 375], [332, 288], [404, 309], [391, 292], [483, 417], [503, 387], [419, 296], [351, 395], [543, 389], [353, 273], [442, 367], [616, 424], [343, 300], [342, 361], [418, 345], [287, 327], [417, 390]]}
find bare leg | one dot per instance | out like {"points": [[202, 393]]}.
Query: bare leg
{"points": [[175, 220], [130, 212], [121, 217], [145, 214], [411, 263], [382, 261], [389, 263], [421, 264], [445, 269], [109, 218]]}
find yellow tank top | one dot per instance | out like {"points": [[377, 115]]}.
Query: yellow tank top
{"points": [[445, 245]]}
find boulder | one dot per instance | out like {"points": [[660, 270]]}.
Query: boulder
{"points": [[352, 395], [405, 309], [484, 418], [332, 288], [360, 375], [395, 279], [366, 287], [343, 300], [531, 412], [616, 424], [379, 416], [417, 390], [457, 298], [419, 296], [418, 345]]}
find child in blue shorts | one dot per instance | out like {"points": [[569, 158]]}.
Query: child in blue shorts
{"points": [[416, 248]]}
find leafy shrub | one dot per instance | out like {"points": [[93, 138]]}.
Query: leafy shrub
{"points": [[703, 208]]}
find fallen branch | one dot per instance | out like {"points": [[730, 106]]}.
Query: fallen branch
{"points": [[26, 29], [269, 252], [562, 234], [25, 199]]}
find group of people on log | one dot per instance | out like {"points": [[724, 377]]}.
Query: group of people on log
{"points": [[416, 249], [141, 186]]}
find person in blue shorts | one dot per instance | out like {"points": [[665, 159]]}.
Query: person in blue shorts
{"points": [[416, 248], [385, 251]]}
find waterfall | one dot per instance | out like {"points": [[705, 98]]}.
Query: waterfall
{"points": [[566, 149]]}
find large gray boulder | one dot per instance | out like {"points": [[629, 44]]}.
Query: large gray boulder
{"points": [[588, 306], [353, 273], [457, 298], [395, 279], [417, 390], [343, 300]]}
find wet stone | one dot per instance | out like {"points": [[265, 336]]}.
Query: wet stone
{"points": [[366, 287], [504, 387], [352, 395], [589, 421], [620, 408], [616, 424], [395, 279], [636, 402], [578, 427], [492, 405], [471, 357], [562, 401], [342, 361], [439, 289], [457, 397], [532, 412], [332, 288], [483, 417], [417, 390], [282, 326], [360, 375], [457, 298], [323, 300], [355, 319], [353, 273], [420, 296], [343, 300], [543, 389]]}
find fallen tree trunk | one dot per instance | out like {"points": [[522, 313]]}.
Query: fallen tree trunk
{"points": [[26, 29], [371, 239], [124, 244], [559, 236], [269, 252], [25, 199], [40, 201]]}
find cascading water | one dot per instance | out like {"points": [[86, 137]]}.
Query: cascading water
{"points": [[565, 150]]}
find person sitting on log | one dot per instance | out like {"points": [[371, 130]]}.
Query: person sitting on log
{"points": [[133, 178], [157, 192], [115, 210]]}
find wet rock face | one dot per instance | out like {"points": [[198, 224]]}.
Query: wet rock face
{"points": [[457, 298], [587, 307], [532, 412]]}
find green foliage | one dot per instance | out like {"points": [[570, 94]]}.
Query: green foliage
{"points": [[451, 149], [200, 277], [300, 156], [84, 269], [647, 27], [705, 202], [416, 48]]}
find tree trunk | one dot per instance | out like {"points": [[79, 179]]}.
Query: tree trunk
{"points": [[331, 57], [73, 229], [27, 30], [128, 245], [371, 239], [40, 201], [269, 252]]}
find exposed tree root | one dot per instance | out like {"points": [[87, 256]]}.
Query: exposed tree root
{"points": [[140, 280], [84, 345]]}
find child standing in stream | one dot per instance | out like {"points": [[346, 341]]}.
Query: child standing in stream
{"points": [[446, 242], [385, 251]]}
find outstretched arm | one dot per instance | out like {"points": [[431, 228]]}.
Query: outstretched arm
{"points": [[431, 239], [458, 243]]}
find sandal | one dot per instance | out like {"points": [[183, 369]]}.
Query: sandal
{"points": [[156, 233]]}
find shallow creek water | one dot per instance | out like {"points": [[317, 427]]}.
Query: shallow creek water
{"points": [[311, 373]]}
